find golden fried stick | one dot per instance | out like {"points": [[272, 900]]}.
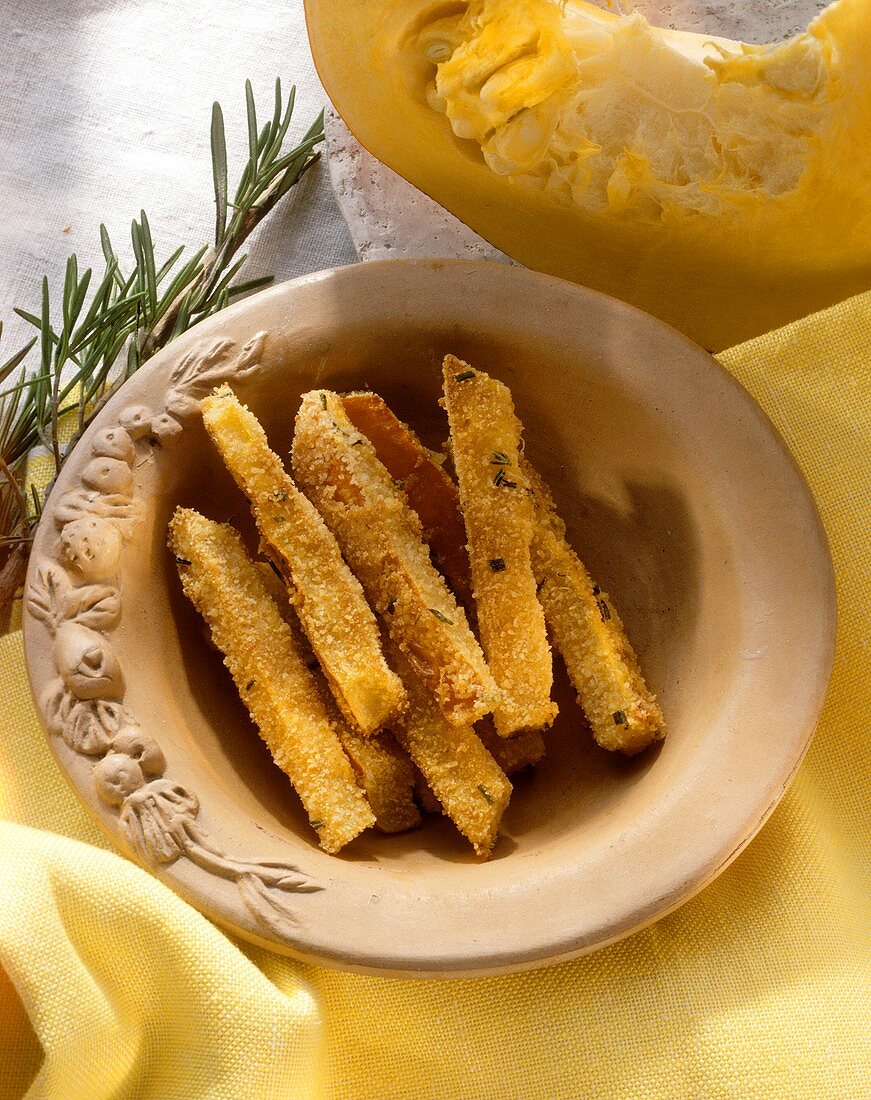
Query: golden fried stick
{"points": [[423, 795], [429, 490], [512, 754], [434, 497], [485, 442], [381, 539], [464, 777], [385, 772], [622, 712], [259, 650], [383, 769], [327, 596]]}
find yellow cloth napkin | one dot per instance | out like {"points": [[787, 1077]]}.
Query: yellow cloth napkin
{"points": [[757, 988]]}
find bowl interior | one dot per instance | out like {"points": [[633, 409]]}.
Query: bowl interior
{"points": [[637, 512]]}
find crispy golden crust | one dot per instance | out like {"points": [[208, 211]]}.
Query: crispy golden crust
{"points": [[381, 539], [485, 442], [327, 596], [586, 629], [259, 650], [512, 754], [434, 497], [383, 769], [386, 774], [463, 776]]}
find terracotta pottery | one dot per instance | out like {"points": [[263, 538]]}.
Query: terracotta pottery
{"points": [[679, 496]]}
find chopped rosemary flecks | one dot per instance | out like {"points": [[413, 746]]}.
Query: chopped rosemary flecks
{"points": [[183, 561], [324, 402], [441, 618], [497, 565], [317, 824], [279, 494], [250, 685], [500, 458], [281, 519], [619, 718], [603, 610], [488, 798], [501, 479], [399, 482], [596, 590], [274, 568], [465, 376]]}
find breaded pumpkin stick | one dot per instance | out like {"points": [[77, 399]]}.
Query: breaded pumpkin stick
{"points": [[512, 754], [463, 776], [497, 508], [383, 769], [385, 772], [423, 795], [429, 490], [327, 596], [381, 539], [270, 673], [623, 713], [434, 497]]}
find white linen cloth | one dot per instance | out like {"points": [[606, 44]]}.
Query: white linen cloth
{"points": [[105, 108]]}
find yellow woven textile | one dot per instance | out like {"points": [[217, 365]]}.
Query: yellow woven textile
{"points": [[758, 988]]}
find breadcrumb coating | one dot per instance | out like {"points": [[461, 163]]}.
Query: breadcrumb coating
{"points": [[485, 443], [382, 540], [259, 650], [385, 772], [430, 492], [463, 776], [434, 497], [383, 769], [512, 754], [586, 629], [327, 596], [423, 795]]}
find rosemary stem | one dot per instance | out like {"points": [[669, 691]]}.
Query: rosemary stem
{"points": [[18, 493]]}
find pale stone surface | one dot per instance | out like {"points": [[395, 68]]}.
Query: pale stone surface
{"points": [[387, 218], [746, 20]]}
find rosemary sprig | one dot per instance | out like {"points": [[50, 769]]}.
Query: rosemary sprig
{"points": [[103, 335]]}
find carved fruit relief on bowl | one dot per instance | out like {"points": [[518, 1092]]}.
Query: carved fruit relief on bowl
{"points": [[79, 600]]}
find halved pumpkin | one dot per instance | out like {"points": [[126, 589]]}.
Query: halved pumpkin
{"points": [[723, 187]]}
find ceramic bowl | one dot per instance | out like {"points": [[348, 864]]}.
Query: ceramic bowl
{"points": [[679, 496]]}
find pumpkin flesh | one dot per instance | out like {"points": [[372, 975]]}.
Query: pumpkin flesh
{"points": [[723, 187]]}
